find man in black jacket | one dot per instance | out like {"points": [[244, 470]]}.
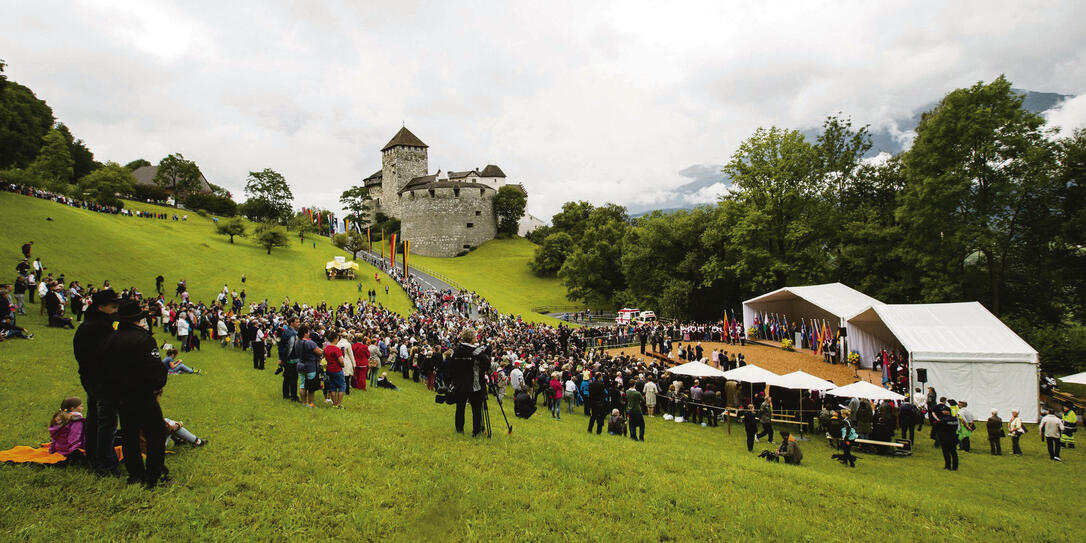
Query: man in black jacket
{"points": [[597, 395], [469, 366], [133, 374], [750, 422], [101, 416]]}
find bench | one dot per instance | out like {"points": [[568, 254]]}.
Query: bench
{"points": [[899, 448]]}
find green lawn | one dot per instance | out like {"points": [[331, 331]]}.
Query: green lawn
{"points": [[389, 466], [498, 270]]}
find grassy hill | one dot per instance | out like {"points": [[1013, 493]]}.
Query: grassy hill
{"points": [[498, 270], [389, 467], [91, 247]]}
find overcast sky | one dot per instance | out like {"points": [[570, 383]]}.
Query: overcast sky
{"points": [[602, 101]]}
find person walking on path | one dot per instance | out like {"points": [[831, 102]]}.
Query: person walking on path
{"points": [[1051, 430]]}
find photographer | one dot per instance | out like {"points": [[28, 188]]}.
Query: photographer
{"points": [[469, 366]]}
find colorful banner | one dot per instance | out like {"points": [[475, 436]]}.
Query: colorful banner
{"points": [[392, 252], [406, 253]]}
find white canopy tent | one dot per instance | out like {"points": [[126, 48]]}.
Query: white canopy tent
{"points": [[830, 302], [696, 369], [801, 380], [1078, 379], [751, 374], [967, 352], [863, 389]]}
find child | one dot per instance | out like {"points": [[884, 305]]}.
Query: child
{"points": [[66, 427]]}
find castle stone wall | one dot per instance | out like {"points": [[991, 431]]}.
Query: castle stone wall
{"points": [[437, 225], [399, 165]]}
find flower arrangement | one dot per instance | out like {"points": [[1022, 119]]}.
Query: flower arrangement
{"points": [[787, 345], [854, 358]]}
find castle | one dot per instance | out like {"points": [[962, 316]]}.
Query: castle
{"points": [[441, 214]]}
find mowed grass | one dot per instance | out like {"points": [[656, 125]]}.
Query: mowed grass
{"points": [[498, 270], [129, 251], [389, 467]]}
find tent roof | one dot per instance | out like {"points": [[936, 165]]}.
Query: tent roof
{"points": [[835, 298], [696, 369], [752, 374], [955, 332], [800, 380], [863, 389], [1078, 378]]}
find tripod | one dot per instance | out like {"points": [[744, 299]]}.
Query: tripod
{"points": [[486, 412]]}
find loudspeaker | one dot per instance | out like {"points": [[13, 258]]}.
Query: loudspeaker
{"points": [[922, 375], [842, 331]]}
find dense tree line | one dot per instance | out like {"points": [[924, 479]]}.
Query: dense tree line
{"points": [[985, 205]]}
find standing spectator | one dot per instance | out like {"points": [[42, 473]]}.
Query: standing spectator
{"points": [[101, 413], [765, 416], [1051, 430], [26, 249], [555, 394], [597, 396], [288, 339], [361, 353], [258, 346], [908, 417], [634, 401], [19, 289], [308, 354], [1015, 429], [946, 425], [966, 425], [995, 433], [848, 438], [337, 384], [183, 330], [651, 390], [750, 422]]}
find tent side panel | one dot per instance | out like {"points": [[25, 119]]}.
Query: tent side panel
{"points": [[986, 386]]}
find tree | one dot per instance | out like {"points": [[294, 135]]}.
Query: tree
{"points": [[269, 196], [572, 218], [356, 201], [300, 223], [592, 273], [270, 235], [509, 206], [980, 177], [178, 175], [54, 163], [137, 164], [353, 242], [551, 254], [104, 184], [24, 122], [82, 158], [232, 227]]}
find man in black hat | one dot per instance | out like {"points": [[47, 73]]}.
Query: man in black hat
{"points": [[134, 373], [101, 416]]}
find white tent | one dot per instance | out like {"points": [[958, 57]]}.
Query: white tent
{"points": [[696, 369], [967, 352], [801, 380], [863, 389], [1078, 379], [752, 374], [831, 302]]}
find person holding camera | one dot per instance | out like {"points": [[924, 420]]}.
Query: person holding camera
{"points": [[469, 366]]}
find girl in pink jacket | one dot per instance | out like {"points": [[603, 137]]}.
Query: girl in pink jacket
{"points": [[66, 427]]}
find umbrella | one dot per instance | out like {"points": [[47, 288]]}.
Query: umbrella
{"points": [[752, 374], [863, 389], [1078, 378], [696, 369], [803, 381]]}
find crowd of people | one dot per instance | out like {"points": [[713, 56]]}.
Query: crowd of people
{"points": [[63, 199]]}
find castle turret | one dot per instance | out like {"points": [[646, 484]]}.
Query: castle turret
{"points": [[403, 158]]}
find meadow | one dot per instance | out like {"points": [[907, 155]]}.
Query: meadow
{"points": [[390, 467]]}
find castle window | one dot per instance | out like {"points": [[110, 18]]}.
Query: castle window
{"points": [[471, 224], [482, 192], [431, 193], [478, 213], [456, 192], [467, 246]]}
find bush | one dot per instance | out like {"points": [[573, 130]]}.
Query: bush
{"points": [[20, 176], [218, 205], [153, 193], [788, 345]]}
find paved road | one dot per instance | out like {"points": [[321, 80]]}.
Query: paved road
{"points": [[428, 281]]}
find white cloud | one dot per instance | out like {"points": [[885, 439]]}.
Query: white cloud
{"points": [[596, 101], [1069, 116]]}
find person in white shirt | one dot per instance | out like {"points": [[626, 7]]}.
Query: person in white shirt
{"points": [[183, 331], [516, 378], [1051, 429]]}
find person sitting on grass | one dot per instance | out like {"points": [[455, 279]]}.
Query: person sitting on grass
{"points": [[789, 449], [616, 425], [66, 428], [175, 365], [383, 382], [176, 430]]}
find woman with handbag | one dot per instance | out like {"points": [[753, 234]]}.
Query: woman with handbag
{"points": [[1016, 430], [995, 433]]}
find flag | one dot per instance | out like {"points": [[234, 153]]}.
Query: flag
{"points": [[392, 252], [369, 240], [406, 253]]}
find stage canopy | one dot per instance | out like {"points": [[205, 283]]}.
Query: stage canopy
{"points": [[800, 380], [1078, 379], [967, 352], [831, 302], [752, 374], [863, 389], [696, 369]]}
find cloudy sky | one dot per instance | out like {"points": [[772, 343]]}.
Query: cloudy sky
{"points": [[604, 101]]}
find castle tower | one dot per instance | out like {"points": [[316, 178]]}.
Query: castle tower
{"points": [[403, 158]]}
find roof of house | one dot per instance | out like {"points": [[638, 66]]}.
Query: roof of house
{"points": [[492, 171], [403, 138], [145, 175], [373, 180], [427, 182], [460, 175]]}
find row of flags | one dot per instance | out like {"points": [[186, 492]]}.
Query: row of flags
{"points": [[814, 332], [335, 226]]}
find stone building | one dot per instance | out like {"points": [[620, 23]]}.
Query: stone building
{"points": [[442, 214]]}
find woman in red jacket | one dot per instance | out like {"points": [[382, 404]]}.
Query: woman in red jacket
{"points": [[556, 396]]}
